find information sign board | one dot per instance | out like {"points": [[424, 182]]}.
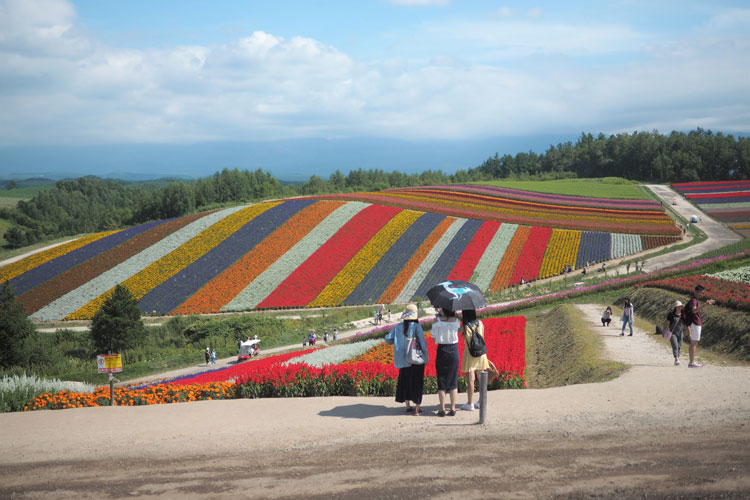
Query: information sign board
{"points": [[109, 363]]}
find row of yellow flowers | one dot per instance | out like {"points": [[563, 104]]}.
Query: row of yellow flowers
{"points": [[157, 272], [562, 250], [357, 268], [19, 267]]}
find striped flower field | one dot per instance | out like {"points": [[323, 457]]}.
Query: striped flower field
{"points": [[725, 201], [308, 252]]}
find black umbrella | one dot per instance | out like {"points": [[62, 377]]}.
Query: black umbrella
{"points": [[456, 295]]}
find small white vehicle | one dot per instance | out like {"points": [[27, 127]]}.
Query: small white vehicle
{"points": [[694, 218], [248, 349]]}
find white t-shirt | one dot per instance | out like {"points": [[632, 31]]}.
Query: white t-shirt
{"points": [[445, 332]]}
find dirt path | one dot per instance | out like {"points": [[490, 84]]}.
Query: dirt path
{"points": [[658, 430]]}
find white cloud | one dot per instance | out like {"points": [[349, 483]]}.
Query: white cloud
{"points": [[60, 86]]}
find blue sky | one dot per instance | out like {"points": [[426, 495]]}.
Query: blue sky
{"points": [[91, 73]]}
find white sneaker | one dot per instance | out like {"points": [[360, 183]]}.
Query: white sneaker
{"points": [[676, 362], [695, 365], [468, 407]]}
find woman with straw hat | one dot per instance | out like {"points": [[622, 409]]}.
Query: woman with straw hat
{"points": [[674, 323], [410, 376]]}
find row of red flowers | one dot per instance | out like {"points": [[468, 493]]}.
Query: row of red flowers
{"points": [[729, 293], [269, 377]]}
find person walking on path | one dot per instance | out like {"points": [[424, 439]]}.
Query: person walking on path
{"points": [[335, 334], [208, 356], [470, 326], [607, 316], [213, 356], [445, 335], [628, 316], [674, 323], [695, 322], [410, 384]]}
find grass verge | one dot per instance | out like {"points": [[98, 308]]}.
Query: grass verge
{"points": [[562, 351]]}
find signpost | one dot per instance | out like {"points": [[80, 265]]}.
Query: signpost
{"points": [[110, 363]]}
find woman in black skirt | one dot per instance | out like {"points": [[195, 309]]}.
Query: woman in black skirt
{"points": [[410, 377], [445, 335]]}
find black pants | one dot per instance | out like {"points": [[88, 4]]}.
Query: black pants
{"points": [[410, 384]]}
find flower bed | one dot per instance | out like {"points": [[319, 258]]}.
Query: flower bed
{"points": [[126, 396], [728, 293], [303, 252]]}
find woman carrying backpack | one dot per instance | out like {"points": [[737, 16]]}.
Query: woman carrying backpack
{"points": [[471, 326]]}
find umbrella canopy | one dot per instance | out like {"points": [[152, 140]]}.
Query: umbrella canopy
{"points": [[456, 295]]}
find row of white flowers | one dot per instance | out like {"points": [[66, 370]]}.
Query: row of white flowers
{"points": [[740, 275], [625, 244], [419, 275], [262, 286], [334, 355], [493, 254], [17, 390], [74, 300]]}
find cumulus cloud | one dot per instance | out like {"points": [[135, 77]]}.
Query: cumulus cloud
{"points": [[58, 85]]}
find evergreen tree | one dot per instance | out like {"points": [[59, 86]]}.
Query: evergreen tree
{"points": [[117, 325], [15, 327]]}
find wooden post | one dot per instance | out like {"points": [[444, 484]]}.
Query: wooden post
{"points": [[482, 396], [111, 389]]}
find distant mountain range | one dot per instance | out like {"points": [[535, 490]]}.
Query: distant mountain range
{"points": [[287, 160]]}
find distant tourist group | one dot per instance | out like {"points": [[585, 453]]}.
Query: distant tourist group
{"points": [[682, 320]]}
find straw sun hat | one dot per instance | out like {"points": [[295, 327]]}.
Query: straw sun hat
{"points": [[410, 312]]}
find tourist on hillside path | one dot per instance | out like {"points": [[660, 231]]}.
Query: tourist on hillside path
{"points": [[628, 316], [692, 318], [607, 316], [470, 326], [445, 335], [410, 384], [674, 323], [213, 356]]}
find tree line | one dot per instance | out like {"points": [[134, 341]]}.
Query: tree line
{"points": [[90, 204]]}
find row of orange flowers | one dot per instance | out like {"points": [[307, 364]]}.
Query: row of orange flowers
{"points": [[126, 396]]}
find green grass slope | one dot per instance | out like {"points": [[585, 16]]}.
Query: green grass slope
{"points": [[605, 187]]}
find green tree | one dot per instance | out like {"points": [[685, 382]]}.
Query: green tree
{"points": [[15, 327], [117, 325]]}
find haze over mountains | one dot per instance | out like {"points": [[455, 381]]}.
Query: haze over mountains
{"points": [[287, 160]]}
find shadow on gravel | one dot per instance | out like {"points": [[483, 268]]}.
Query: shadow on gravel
{"points": [[361, 411]]}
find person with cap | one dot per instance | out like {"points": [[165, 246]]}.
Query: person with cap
{"points": [[208, 355], [674, 323], [410, 384]]}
